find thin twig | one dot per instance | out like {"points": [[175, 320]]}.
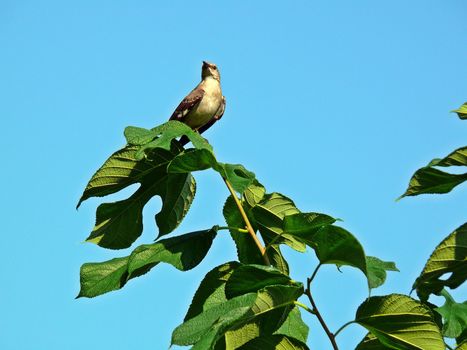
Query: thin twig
{"points": [[247, 223], [318, 315]]}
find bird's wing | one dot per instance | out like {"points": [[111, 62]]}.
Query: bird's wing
{"points": [[217, 116], [187, 104]]}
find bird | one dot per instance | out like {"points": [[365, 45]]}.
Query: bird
{"points": [[204, 105]]}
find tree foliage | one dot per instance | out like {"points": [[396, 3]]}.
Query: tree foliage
{"points": [[254, 303]]}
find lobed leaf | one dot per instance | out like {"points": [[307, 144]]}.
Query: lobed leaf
{"points": [[119, 224], [454, 316], [162, 137], [177, 199], [449, 257], [399, 322], [183, 252]]}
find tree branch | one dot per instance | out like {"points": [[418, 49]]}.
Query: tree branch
{"points": [[247, 223]]}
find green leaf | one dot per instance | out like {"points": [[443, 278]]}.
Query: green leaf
{"points": [[335, 245], [211, 291], [216, 318], [205, 329], [269, 214], [138, 136], [163, 135], [273, 342], [400, 322], [454, 316], [376, 271], [119, 224], [431, 180], [99, 278], [247, 251], [192, 160], [294, 327], [305, 225], [449, 257], [239, 177], [461, 111], [183, 252], [251, 278], [254, 193], [276, 258], [370, 342], [177, 199], [456, 158], [122, 169]]}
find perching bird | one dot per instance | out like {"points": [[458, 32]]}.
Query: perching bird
{"points": [[204, 105]]}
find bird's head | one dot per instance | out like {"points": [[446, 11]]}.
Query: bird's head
{"points": [[210, 70]]}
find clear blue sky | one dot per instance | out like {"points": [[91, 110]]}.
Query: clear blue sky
{"points": [[333, 103]]}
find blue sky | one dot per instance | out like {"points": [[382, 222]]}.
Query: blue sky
{"points": [[332, 103]]}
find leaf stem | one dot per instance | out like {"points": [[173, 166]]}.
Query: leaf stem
{"points": [[342, 327], [233, 228], [317, 313], [247, 223], [304, 307]]}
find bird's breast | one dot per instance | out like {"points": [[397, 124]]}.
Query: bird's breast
{"points": [[207, 107]]}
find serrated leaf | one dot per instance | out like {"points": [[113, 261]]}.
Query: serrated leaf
{"points": [[211, 291], [294, 327], [179, 195], [431, 180], [183, 252], [461, 111], [454, 316], [192, 160], [400, 322], [122, 169], [254, 193], [376, 271], [119, 224], [276, 258], [269, 214], [205, 329], [239, 177], [247, 251], [138, 136], [449, 257], [274, 342], [163, 135], [305, 225], [335, 245], [456, 158], [251, 278], [370, 342]]}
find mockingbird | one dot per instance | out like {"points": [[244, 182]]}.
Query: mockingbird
{"points": [[204, 105]]}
